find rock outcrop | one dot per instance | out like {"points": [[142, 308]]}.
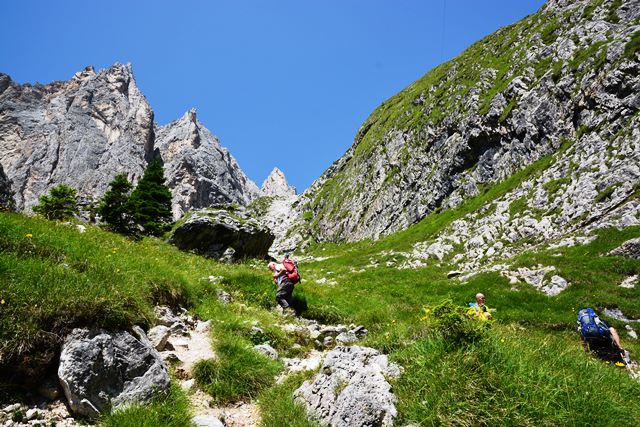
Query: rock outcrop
{"points": [[224, 233], [561, 86], [80, 132], [200, 172], [276, 185], [629, 249], [102, 370], [351, 389]]}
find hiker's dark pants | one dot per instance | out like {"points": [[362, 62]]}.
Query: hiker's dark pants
{"points": [[284, 292], [605, 349]]}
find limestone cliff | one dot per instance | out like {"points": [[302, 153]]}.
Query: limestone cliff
{"points": [[80, 132], [84, 131]]}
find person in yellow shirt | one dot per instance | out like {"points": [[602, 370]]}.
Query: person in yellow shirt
{"points": [[479, 309]]}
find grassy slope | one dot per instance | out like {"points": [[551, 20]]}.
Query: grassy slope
{"points": [[59, 278]]}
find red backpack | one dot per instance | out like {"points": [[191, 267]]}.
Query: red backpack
{"points": [[292, 269]]}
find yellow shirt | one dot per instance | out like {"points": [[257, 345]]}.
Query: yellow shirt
{"points": [[475, 311]]}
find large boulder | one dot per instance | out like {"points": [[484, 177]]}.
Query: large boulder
{"points": [[102, 370], [351, 389], [223, 233]]}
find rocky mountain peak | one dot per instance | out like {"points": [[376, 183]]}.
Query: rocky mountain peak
{"points": [[80, 132], [200, 172], [276, 185]]}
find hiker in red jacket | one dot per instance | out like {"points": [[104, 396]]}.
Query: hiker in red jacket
{"points": [[284, 289]]}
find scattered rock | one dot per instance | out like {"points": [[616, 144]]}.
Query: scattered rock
{"points": [[203, 326], [453, 273], [632, 333], [224, 297], [328, 342], [32, 414], [101, 370], [557, 285], [165, 316], [351, 389]]}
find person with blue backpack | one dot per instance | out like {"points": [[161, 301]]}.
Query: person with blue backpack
{"points": [[599, 338]]}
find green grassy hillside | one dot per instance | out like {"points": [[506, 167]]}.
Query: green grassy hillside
{"points": [[527, 369]]}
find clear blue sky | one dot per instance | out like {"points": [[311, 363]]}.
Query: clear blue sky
{"points": [[268, 77]]}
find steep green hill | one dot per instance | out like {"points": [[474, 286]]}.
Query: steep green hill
{"points": [[567, 73]]}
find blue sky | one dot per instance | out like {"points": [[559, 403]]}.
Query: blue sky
{"points": [[281, 83]]}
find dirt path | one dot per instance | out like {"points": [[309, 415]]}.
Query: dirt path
{"points": [[192, 349]]}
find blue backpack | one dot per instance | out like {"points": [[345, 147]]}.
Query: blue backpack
{"points": [[591, 327]]}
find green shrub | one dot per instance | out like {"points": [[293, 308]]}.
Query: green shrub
{"points": [[60, 204], [451, 322]]}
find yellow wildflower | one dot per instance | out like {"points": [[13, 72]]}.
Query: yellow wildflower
{"points": [[29, 235], [2, 301]]}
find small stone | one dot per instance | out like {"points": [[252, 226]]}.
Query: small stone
{"points": [[630, 282], [32, 413], [206, 421], [360, 331], [266, 350], [328, 341], [158, 335], [188, 384], [203, 326], [224, 297], [81, 228], [346, 338], [632, 333], [453, 273]]}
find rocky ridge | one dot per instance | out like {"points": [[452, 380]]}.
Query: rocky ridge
{"points": [[84, 131], [564, 80]]}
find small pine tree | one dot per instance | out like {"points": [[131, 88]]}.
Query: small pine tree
{"points": [[114, 206], [150, 202], [60, 204]]}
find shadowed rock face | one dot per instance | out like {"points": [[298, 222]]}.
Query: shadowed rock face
{"points": [[223, 234], [200, 172], [6, 193], [80, 132]]}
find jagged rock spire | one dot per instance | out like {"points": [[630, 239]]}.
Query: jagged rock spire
{"points": [[276, 185]]}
